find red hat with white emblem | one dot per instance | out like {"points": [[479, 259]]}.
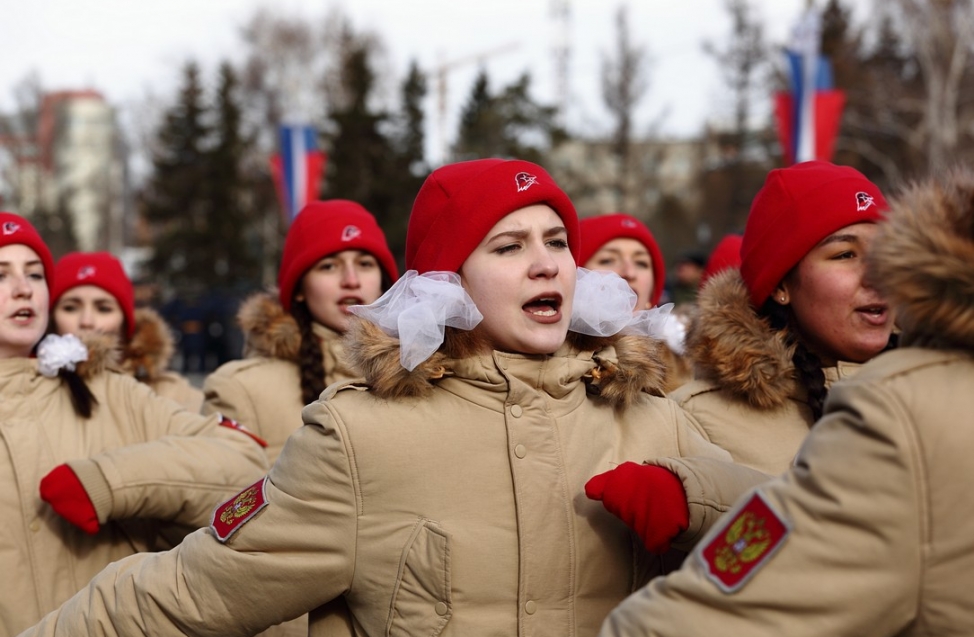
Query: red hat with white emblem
{"points": [[459, 204], [326, 227], [15, 230], [796, 208], [102, 270]]}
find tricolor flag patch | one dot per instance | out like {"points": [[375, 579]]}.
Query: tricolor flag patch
{"points": [[232, 514], [744, 544]]}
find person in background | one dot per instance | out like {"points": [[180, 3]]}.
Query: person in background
{"points": [[622, 244], [335, 256], [94, 462], [682, 289], [867, 534], [442, 495], [91, 292], [768, 340]]}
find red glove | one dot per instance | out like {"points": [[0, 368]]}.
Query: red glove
{"points": [[64, 492], [649, 499]]}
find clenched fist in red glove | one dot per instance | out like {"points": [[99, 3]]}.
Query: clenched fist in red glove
{"points": [[67, 496], [649, 499]]}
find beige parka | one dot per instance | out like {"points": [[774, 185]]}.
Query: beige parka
{"points": [[444, 501], [879, 533], [147, 356], [263, 390], [745, 397], [143, 460]]}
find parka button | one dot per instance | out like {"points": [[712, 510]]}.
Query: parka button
{"points": [[441, 609], [520, 451], [516, 411], [35, 526], [530, 607]]}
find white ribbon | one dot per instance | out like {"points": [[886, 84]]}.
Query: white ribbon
{"points": [[60, 352], [417, 308], [603, 305]]}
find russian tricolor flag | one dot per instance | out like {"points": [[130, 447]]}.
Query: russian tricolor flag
{"points": [[297, 168], [809, 114]]}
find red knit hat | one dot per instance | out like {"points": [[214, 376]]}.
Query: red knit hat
{"points": [[726, 254], [796, 208], [459, 204], [102, 270], [599, 230], [327, 227], [14, 230]]}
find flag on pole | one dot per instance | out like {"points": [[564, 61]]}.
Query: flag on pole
{"points": [[809, 113], [297, 168]]}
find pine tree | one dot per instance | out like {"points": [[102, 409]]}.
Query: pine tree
{"points": [[175, 201]]}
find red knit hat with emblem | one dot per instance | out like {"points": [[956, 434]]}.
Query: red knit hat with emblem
{"points": [[102, 270], [327, 227], [599, 230], [459, 204], [14, 230], [726, 254], [796, 208]]}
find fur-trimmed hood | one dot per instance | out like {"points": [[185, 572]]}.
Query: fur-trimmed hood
{"points": [[735, 348], [104, 354], [269, 331], [150, 350], [624, 367], [922, 260]]}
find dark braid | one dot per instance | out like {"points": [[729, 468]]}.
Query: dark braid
{"points": [[808, 365], [82, 399], [310, 363]]}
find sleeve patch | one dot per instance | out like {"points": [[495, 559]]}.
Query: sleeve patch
{"points": [[232, 514], [744, 544], [233, 424]]}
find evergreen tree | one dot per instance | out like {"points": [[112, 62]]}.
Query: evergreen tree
{"points": [[175, 200], [231, 227], [506, 124]]}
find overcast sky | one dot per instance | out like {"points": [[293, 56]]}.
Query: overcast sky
{"points": [[129, 49]]}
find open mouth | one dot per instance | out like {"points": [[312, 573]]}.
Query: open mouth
{"points": [[24, 314], [348, 301], [544, 306], [874, 313]]}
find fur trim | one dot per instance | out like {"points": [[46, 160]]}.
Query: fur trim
{"points": [[149, 351], [634, 365], [268, 330], [104, 354], [734, 347], [922, 260]]}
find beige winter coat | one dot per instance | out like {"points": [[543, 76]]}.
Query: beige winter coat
{"points": [[143, 460], [446, 501], [881, 531], [745, 398], [263, 391], [147, 357]]}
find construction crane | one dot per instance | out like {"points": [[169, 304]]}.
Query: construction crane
{"points": [[442, 70]]}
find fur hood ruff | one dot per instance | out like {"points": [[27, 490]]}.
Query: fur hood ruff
{"points": [[735, 348], [104, 355], [922, 260], [626, 366], [268, 330], [148, 354]]}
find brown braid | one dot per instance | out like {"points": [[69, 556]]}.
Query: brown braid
{"points": [[310, 363], [82, 399], [808, 366]]}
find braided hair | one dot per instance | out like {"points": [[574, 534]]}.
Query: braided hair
{"points": [[808, 366], [310, 363]]}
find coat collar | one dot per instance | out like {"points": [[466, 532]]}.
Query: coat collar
{"points": [[616, 370]]}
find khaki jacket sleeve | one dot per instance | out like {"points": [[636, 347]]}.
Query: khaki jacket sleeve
{"points": [[295, 554], [224, 393], [189, 464], [849, 563]]}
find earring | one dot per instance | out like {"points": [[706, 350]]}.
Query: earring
{"points": [[781, 299]]}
